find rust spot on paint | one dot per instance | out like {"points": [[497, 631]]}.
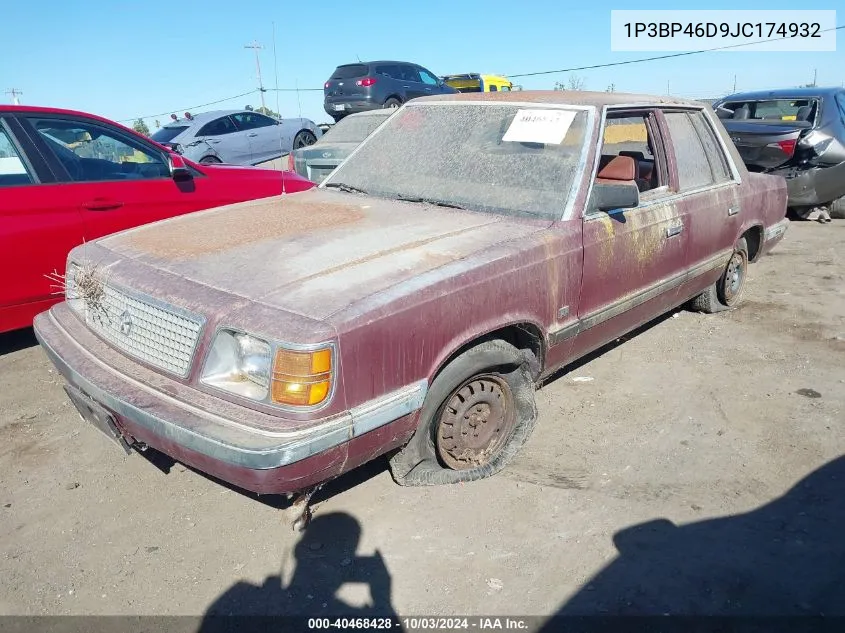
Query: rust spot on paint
{"points": [[228, 227]]}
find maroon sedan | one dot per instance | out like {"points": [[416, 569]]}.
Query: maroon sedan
{"points": [[67, 177], [470, 247]]}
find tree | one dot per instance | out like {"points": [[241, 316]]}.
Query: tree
{"points": [[140, 127], [268, 112], [573, 83]]}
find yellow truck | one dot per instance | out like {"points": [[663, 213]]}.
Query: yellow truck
{"points": [[476, 82]]}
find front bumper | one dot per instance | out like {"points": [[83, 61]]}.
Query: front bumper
{"points": [[223, 439]]}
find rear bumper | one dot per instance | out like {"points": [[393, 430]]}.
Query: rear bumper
{"points": [[209, 434], [352, 104], [817, 186]]}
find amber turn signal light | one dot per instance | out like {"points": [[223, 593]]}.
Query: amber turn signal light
{"points": [[301, 378]]}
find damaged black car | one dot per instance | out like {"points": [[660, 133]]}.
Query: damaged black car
{"points": [[797, 133]]}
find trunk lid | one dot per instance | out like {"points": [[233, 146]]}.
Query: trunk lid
{"points": [[765, 145]]}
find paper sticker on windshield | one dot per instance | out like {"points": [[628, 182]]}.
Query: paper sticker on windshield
{"points": [[539, 126]]}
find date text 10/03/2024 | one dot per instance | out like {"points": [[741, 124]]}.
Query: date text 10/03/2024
{"points": [[420, 623]]}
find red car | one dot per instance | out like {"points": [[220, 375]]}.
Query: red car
{"points": [[67, 177]]}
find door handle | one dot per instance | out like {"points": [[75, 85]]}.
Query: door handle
{"points": [[102, 205], [672, 231], [733, 210], [253, 134], [214, 142]]}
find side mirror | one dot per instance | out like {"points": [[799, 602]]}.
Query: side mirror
{"points": [[621, 195], [178, 167]]}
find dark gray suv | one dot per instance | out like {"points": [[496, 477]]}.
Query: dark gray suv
{"points": [[371, 85]]}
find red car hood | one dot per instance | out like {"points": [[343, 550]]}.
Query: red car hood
{"points": [[312, 253]]}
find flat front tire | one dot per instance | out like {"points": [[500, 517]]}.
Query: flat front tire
{"points": [[477, 415]]}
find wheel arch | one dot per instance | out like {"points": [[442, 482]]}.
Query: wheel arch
{"points": [[753, 236], [525, 335]]}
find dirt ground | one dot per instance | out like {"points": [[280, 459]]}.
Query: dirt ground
{"points": [[666, 475]]}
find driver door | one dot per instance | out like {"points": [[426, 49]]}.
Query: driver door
{"points": [[116, 180]]}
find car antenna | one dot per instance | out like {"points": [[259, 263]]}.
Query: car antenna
{"points": [[278, 109]]}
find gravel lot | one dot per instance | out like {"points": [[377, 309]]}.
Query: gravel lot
{"points": [[694, 418]]}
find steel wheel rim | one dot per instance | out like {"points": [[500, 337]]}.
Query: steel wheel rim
{"points": [[475, 422], [734, 277]]}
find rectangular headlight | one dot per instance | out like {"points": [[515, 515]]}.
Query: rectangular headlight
{"points": [[239, 363]]}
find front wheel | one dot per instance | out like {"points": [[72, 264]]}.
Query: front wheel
{"points": [[478, 413], [210, 160], [304, 138], [727, 292]]}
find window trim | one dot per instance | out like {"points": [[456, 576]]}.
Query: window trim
{"points": [[34, 177], [62, 175]]}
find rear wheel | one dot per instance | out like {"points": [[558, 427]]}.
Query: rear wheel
{"points": [[727, 292], [392, 103], [210, 160], [304, 138], [476, 416], [837, 208]]}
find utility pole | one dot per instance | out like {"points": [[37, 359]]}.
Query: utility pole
{"points": [[15, 93], [667, 88], [611, 88], [257, 47], [815, 74], [734, 83]]}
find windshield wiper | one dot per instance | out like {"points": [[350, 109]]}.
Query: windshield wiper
{"points": [[434, 201], [344, 187]]}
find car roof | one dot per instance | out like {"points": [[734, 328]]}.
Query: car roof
{"points": [[564, 97], [783, 93], [378, 61]]}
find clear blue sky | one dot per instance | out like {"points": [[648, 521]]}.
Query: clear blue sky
{"points": [[129, 59]]}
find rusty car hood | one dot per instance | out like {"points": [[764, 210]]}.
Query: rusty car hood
{"points": [[313, 253]]}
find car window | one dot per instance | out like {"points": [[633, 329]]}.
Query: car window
{"points": [[712, 150], [694, 169], [251, 120], [505, 89], [355, 128], [91, 152], [389, 70], [218, 127], [428, 78], [630, 135], [348, 71], [773, 109], [13, 172], [409, 73], [168, 133]]}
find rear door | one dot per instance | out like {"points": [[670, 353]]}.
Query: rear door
{"points": [[224, 138], [268, 139], [633, 258], [38, 227], [710, 200], [431, 85], [113, 178]]}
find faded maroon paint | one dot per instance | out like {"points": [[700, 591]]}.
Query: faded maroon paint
{"points": [[402, 286]]}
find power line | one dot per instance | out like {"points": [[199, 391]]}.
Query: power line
{"points": [[15, 93], [188, 109], [651, 59]]}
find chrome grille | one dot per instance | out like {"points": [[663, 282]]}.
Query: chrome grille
{"points": [[145, 330]]}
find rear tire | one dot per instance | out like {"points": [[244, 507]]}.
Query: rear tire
{"points": [[210, 160], [727, 292], [477, 415], [837, 208], [303, 138], [392, 103]]}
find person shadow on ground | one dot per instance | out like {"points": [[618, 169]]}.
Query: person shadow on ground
{"points": [[786, 558], [325, 559]]}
